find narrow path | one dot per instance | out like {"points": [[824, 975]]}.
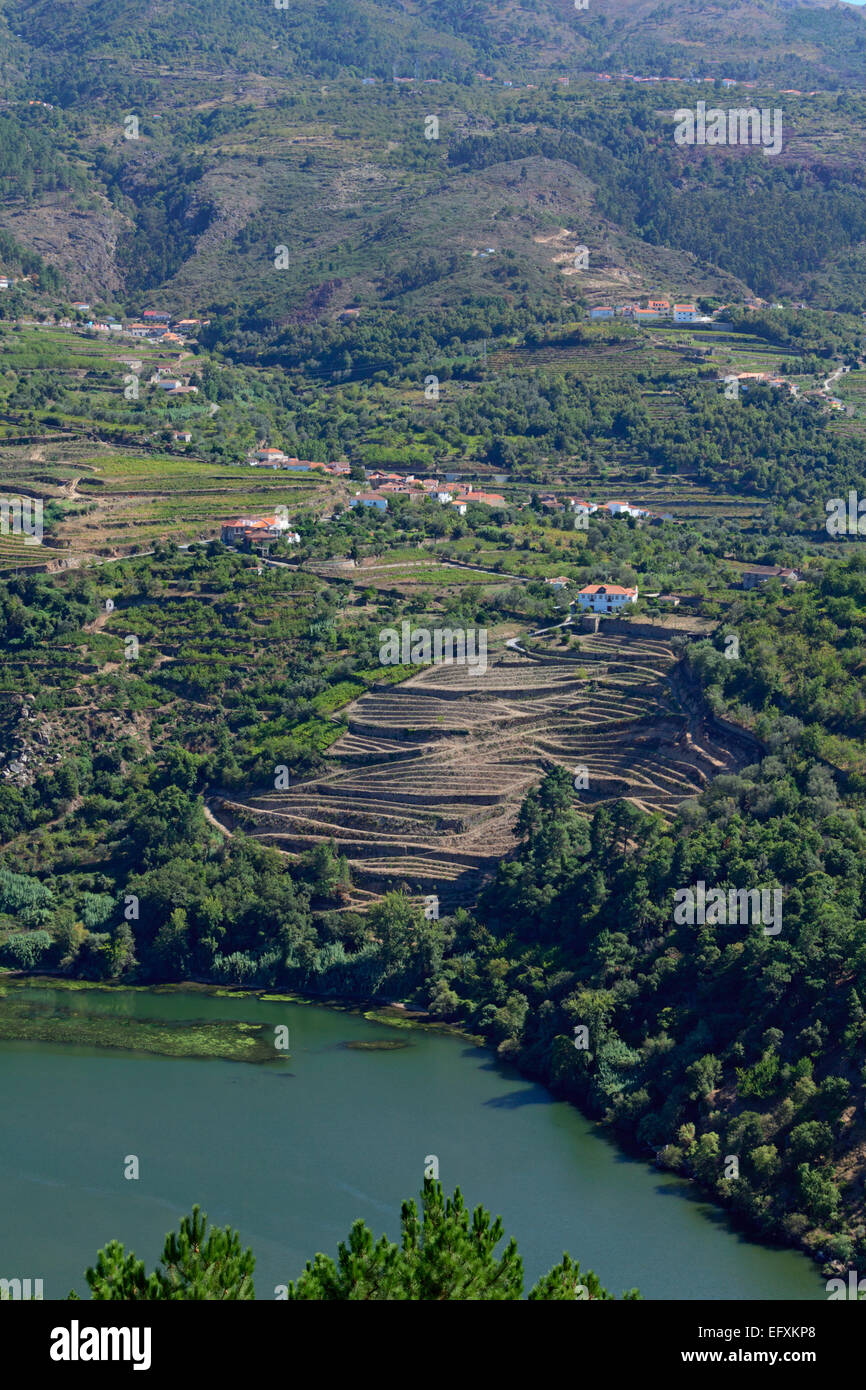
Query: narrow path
{"points": [[834, 376], [212, 820], [514, 642]]}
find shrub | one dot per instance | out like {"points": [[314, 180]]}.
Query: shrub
{"points": [[24, 950]]}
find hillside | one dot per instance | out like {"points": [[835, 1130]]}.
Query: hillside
{"points": [[71, 45], [377, 279], [815, 44], [429, 777], [253, 132], [372, 214]]}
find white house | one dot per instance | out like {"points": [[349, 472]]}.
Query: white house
{"points": [[561, 582], [270, 456], [444, 497], [370, 499], [606, 598], [259, 528], [624, 509], [685, 313], [577, 504]]}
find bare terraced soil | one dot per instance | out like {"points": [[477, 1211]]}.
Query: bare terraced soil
{"points": [[426, 783]]}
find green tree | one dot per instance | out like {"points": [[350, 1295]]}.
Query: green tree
{"points": [[444, 1254], [120, 951], [171, 946], [197, 1263], [765, 1161], [704, 1076], [820, 1195], [808, 1141]]}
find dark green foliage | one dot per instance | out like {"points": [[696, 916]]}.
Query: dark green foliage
{"points": [[197, 1263], [444, 1254], [25, 950]]}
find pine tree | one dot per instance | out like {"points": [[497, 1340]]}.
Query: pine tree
{"points": [[444, 1254], [197, 1264]]}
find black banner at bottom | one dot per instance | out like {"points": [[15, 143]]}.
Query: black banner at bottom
{"points": [[169, 1340]]}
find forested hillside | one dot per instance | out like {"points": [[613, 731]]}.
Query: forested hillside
{"points": [[804, 43], [412, 249], [246, 111]]}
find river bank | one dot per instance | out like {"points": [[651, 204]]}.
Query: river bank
{"points": [[196, 1039], [291, 1155]]}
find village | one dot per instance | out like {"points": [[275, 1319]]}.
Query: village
{"points": [[154, 326], [657, 309], [263, 531], [654, 310], [601, 599], [453, 493]]}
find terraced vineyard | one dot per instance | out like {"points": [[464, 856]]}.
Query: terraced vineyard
{"points": [[427, 780], [111, 501]]}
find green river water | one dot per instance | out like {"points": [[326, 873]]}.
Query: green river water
{"points": [[291, 1152]]}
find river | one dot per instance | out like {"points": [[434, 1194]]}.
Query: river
{"points": [[291, 1153]]}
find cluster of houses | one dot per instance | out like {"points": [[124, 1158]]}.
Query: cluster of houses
{"points": [[744, 379], [695, 81], [455, 495], [278, 459], [609, 509], [655, 309], [382, 485], [458, 495], [258, 530], [166, 378], [154, 326]]}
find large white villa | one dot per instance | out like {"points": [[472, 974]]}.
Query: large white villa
{"points": [[605, 598]]}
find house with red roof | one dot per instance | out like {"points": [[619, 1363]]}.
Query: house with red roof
{"points": [[258, 529], [606, 598], [488, 499]]}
